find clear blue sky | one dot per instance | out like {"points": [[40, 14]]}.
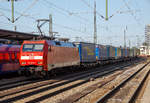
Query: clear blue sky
{"points": [[135, 16]]}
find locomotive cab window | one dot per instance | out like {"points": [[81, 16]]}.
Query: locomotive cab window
{"points": [[38, 47], [32, 47]]}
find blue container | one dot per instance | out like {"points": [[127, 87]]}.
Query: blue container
{"points": [[110, 52], [97, 51], [101, 52], [126, 53], [116, 52], [122, 52], [87, 52]]}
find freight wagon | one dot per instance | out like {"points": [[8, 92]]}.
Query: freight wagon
{"points": [[117, 53], [131, 54], [9, 58], [110, 52], [128, 53], [86, 52], [123, 53], [101, 53]]}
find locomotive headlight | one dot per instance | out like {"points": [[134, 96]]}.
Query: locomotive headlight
{"points": [[23, 62], [40, 62]]}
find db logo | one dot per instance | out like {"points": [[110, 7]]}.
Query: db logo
{"points": [[31, 62], [31, 57]]}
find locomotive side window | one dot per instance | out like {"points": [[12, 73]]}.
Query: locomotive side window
{"points": [[74, 45], [27, 47], [38, 47], [57, 43]]}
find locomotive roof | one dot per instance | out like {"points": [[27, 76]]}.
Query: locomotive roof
{"points": [[60, 43], [54, 43]]}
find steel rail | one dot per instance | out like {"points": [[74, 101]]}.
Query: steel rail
{"points": [[114, 90]]}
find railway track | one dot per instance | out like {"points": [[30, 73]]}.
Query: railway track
{"points": [[15, 82], [125, 90], [19, 81], [12, 80], [42, 90], [86, 94]]}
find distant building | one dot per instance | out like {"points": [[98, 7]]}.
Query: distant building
{"points": [[147, 35], [148, 51], [145, 50]]}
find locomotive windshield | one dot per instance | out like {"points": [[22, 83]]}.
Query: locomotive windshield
{"points": [[32, 47]]}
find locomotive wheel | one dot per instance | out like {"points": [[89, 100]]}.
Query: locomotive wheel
{"points": [[27, 73], [20, 72]]}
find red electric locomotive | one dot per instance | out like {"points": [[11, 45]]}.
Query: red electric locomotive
{"points": [[40, 57], [9, 58]]}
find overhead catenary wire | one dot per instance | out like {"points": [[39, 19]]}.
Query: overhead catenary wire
{"points": [[65, 10], [48, 5], [30, 6], [12, 25], [118, 11], [2, 14], [93, 8], [25, 15], [70, 28], [68, 13], [8, 10], [132, 14], [21, 14]]}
